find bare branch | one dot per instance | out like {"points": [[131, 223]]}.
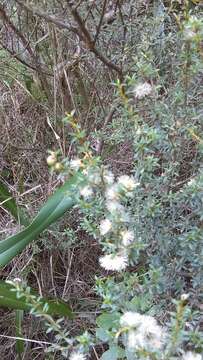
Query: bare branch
{"points": [[107, 120], [82, 32], [15, 30], [22, 61], [100, 21], [90, 43], [20, 37], [81, 24], [49, 18]]}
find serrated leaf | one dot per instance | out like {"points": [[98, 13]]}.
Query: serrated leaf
{"points": [[62, 200], [9, 299]]}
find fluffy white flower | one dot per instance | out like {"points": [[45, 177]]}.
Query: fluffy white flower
{"points": [[75, 164], [118, 210], [141, 90], [127, 182], [149, 324], [185, 297], [135, 340], [86, 192], [189, 355], [112, 193], [77, 356], [52, 159], [114, 207], [94, 178], [144, 331], [108, 177], [127, 237], [114, 262], [131, 319], [154, 333], [105, 226]]}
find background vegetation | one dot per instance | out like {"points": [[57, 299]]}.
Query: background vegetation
{"points": [[101, 105]]}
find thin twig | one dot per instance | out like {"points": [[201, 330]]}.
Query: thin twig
{"points": [[19, 35], [67, 276], [49, 18], [106, 121], [25, 339], [22, 61], [100, 21], [90, 42], [83, 33]]}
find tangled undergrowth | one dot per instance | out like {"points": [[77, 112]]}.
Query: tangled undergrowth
{"points": [[120, 127]]}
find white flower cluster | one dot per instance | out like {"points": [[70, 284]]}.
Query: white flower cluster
{"points": [[86, 192], [77, 356], [141, 90], [189, 355], [105, 226], [75, 164], [143, 331], [114, 262], [117, 221], [116, 224], [94, 176]]}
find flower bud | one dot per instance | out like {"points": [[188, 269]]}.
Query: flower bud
{"points": [[58, 167], [51, 159]]}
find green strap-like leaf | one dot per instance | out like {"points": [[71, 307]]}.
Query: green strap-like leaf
{"points": [[8, 203], [8, 299], [53, 209], [19, 343]]}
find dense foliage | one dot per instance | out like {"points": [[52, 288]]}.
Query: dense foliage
{"points": [[120, 87]]}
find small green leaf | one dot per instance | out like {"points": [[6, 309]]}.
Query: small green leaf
{"points": [[114, 353], [107, 321], [102, 335], [8, 299]]}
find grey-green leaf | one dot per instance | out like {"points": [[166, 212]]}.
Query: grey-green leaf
{"points": [[8, 299], [114, 353], [107, 320]]}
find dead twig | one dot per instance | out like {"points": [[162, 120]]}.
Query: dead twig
{"points": [[82, 32], [49, 18], [106, 121], [100, 21]]}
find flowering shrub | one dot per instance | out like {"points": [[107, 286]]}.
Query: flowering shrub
{"points": [[148, 223]]}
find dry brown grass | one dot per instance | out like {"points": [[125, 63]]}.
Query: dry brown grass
{"points": [[51, 270]]}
